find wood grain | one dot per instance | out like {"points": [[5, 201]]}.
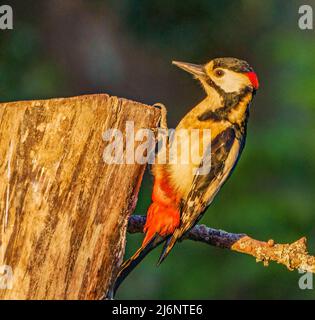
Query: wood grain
{"points": [[63, 210]]}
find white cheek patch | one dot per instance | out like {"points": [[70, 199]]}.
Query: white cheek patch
{"points": [[231, 81]]}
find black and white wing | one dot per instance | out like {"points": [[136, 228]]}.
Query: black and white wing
{"points": [[225, 148]]}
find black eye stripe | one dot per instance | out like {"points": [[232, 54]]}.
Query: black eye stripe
{"points": [[231, 99]]}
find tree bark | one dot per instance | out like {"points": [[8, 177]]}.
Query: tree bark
{"points": [[63, 210]]}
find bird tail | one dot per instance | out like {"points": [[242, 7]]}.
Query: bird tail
{"points": [[132, 262], [160, 223], [168, 246]]}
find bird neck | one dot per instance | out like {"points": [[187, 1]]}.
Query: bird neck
{"points": [[233, 107], [238, 113]]}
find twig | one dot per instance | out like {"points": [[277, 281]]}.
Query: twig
{"points": [[293, 256]]}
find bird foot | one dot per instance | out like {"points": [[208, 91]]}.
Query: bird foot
{"points": [[163, 110]]}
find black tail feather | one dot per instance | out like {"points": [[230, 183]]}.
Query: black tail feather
{"points": [[132, 262], [169, 244]]}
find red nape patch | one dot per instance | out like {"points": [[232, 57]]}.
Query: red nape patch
{"points": [[253, 79], [161, 219]]}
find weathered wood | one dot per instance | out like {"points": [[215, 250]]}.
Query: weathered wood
{"points": [[64, 211]]}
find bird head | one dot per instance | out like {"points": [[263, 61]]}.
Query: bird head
{"points": [[228, 75]]}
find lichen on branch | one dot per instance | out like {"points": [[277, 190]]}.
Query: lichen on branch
{"points": [[292, 255]]}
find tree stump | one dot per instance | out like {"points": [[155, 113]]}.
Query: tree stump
{"points": [[63, 210]]}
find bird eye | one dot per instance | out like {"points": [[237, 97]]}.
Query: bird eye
{"points": [[219, 73]]}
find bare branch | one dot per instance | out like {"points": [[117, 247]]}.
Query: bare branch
{"points": [[293, 256]]}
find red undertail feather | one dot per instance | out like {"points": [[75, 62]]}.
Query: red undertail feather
{"points": [[161, 220], [163, 216]]}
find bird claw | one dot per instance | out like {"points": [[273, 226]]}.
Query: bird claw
{"points": [[163, 110]]}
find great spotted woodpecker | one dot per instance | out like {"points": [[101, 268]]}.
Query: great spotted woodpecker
{"points": [[181, 195]]}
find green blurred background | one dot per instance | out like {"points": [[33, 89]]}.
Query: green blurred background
{"points": [[124, 48]]}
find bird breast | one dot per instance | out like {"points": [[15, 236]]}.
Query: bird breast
{"points": [[187, 151]]}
